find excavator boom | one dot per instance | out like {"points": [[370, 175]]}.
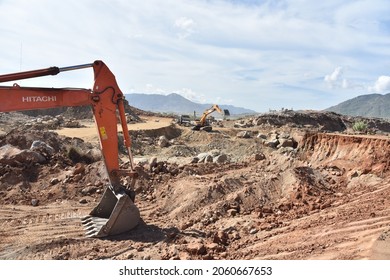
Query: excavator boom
{"points": [[40, 72], [116, 212]]}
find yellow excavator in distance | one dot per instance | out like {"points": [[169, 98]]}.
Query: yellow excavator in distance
{"points": [[202, 123]]}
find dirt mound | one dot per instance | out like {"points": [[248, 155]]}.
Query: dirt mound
{"points": [[24, 139], [39, 165], [314, 120], [323, 121]]}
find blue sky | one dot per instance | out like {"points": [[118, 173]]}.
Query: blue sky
{"points": [[259, 55]]}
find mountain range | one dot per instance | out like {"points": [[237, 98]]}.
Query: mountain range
{"points": [[369, 105], [176, 104]]}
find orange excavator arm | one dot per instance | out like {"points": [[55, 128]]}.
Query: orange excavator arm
{"points": [[18, 98], [212, 109], [107, 102], [202, 120]]}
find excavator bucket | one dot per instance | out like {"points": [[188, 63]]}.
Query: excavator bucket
{"points": [[115, 214]]}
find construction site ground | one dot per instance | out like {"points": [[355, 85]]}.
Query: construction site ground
{"points": [[325, 197]]}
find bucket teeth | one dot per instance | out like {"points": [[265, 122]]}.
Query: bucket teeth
{"points": [[86, 220], [89, 224], [91, 233], [92, 225]]}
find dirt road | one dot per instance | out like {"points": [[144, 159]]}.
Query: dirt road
{"points": [[89, 133]]}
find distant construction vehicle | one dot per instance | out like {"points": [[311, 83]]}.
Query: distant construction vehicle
{"points": [[184, 120], [203, 121]]}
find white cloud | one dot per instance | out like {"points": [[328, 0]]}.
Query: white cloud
{"points": [[335, 75], [382, 85], [185, 26], [151, 89], [335, 79], [191, 95]]}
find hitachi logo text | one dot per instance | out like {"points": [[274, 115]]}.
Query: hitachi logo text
{"points": [[38, 98]]}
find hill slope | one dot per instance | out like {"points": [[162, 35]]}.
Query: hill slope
{"points": [[175, 103], [370, 105]]}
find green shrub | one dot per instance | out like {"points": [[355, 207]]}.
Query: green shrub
{"points": [[359, 126]]}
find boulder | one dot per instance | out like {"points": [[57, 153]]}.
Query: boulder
{"points": [[209, 158], [221, 158], [13, 156], [194, 160], [202, 157], [272, 143], [34, 202], [262, 136], [196, 248], [259, 156], [79, 168], [163, 141], [283, 142], [40, 146], [240, 124], [243, 134]]}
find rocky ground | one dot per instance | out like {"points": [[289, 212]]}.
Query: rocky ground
{"points": [[285, 185]]}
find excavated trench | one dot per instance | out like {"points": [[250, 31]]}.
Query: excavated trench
{"points": [[363, 154]]}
